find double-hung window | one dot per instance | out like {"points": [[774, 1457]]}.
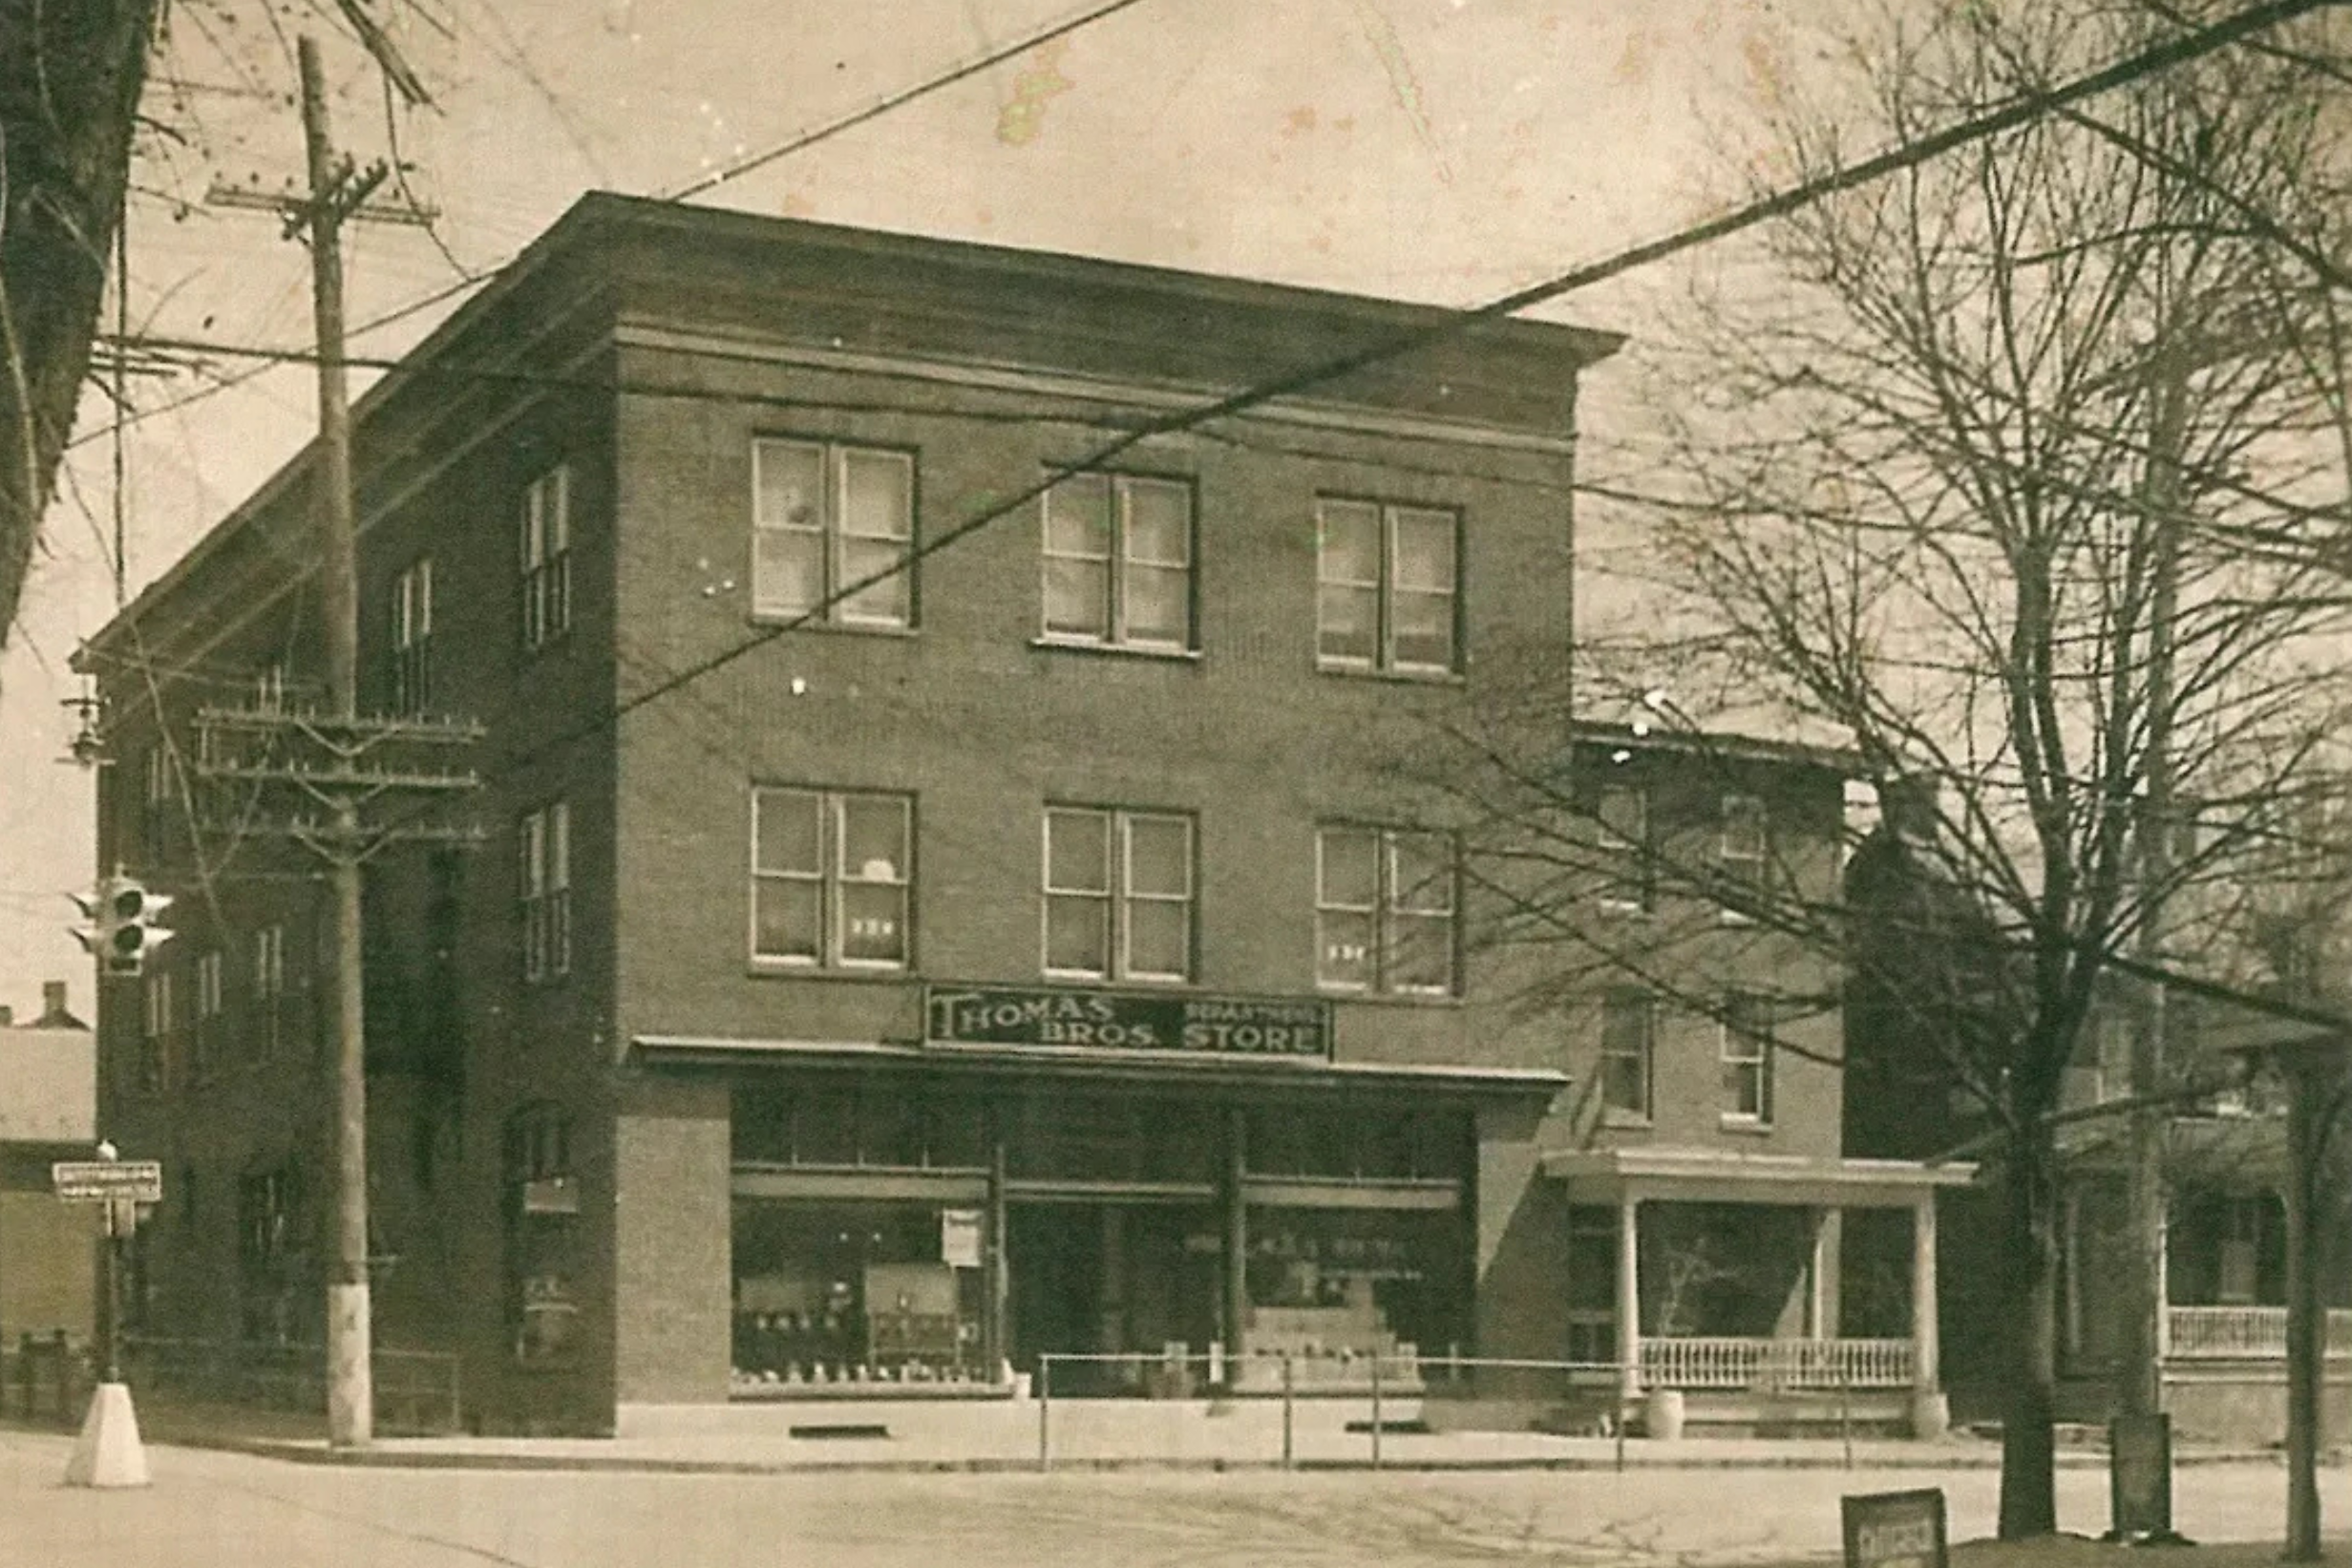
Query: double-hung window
{"points": [[543, 841], [1118, 561], [205, 1048], [1744, 855], [832, 878], [833, 531], [1746, 1031], [269, 985], [412, 638], [1629, 879], [546, 527], [1387, 584], [1385, 910], [155, 1061], [1628, 1039], [1118, 894]]}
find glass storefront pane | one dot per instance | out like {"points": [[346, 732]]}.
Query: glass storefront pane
{"points": [[825, 1128], [890, 1126], [956, 1135], [1323, 1281], [849, 1293], [761, 1124]]}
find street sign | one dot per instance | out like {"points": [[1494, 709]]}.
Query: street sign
{"points": [[100, 1181], [1894, 1528]]}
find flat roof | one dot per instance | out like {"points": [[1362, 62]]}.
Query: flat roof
{"points": [[1080, 1062], [1650, 1170]]}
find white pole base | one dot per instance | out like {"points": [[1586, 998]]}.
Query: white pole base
{"points": [[108, 1452]]}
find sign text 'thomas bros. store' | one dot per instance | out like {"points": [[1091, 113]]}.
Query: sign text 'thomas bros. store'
{"points": [[1127, 1021]]}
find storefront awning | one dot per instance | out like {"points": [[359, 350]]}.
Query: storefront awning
{"points": [[1709, 1176], [1288, 1072]]}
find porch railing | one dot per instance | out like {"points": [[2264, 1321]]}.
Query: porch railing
{"points": [[2247, 1333], [1725, 1362]]}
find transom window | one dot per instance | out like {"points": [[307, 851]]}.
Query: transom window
{"points": [[546, 525], [1119, 561], [1746, 1031], [1118, 894], [1386, 586], [1385, 910], [544, 842], [831, 877], [1629, 873], [832, 533], [1628, 1037], [412, 638]]}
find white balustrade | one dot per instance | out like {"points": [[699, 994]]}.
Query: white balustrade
{"points": [[1739, 1362], [2246, 1333]]}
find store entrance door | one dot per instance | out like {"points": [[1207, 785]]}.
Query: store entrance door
{"points": [[1108, 1278]]}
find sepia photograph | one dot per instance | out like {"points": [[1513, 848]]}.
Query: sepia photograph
{"points": [[1340, 783]]}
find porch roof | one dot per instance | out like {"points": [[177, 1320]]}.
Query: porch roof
{"points": [[1716, 1176], [1084, 1063]]}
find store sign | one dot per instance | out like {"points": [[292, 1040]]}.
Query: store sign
{"points": [[1119, 1021]]}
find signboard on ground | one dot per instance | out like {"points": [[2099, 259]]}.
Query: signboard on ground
{"points": [[1894, 1528], [958, 1238], [100, 1181], [1127, 1021], [2140, 1474]]}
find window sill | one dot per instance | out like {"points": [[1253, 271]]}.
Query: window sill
{"points": [[1747, 1126], [1625, 909], [1069, 976], [1391, 998], [1619, 1119], [778, 620], [1407, 677], [1116, 651], [777, 968]]}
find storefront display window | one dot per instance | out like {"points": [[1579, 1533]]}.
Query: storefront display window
{"points": [[1336, 1284], [1095, 1137], [1356, 1142], [875, 1124], [852, 1293]]}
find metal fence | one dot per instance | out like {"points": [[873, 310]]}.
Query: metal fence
{"points": [[1291, 1408], [417, 1392]]}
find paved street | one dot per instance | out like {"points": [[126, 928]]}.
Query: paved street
{"points": [[212, 1509]]}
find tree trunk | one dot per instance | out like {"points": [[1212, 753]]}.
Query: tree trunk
{"points": [[2028, 1437], [2306, 1089], [70, 81]]}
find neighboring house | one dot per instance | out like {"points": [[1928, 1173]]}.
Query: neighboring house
{"points": [[48, 1112], [2222, 1324]]}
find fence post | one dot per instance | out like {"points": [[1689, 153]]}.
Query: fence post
{"points": [[1376, 1409], [1286, 1397], [1044, 1409]]}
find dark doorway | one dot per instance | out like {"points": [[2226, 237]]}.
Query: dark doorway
{"points": [[1107, 1278]]}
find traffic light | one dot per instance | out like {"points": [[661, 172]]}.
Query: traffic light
{"points": [[122, 929]]}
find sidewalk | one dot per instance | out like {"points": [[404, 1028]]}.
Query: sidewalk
{"points": [[1079, 1435]]}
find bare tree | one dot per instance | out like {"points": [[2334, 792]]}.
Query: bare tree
{"points": [[2021, 476]]}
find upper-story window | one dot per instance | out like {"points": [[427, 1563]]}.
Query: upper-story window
{"points": [[1744, 853], [412, 638], [156, 799], [1386, 586], [832, 533], [1628, 1039], [1629, 870], [832, 876], [1118, 561], [1385, 910], [155, 1058], [1746, 1034], [205, 1048], [269, 985], [546, 530], [1118, 894], [543, 840]]}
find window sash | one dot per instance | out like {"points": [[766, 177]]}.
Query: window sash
{"points": [[1116, 914], [546, 557], [1368, 571], [1402, 915], [1745, 1032], [810, 556], [812, 905], [1628, 1049], [1106, 568], [545, 848], [1624, 819]]}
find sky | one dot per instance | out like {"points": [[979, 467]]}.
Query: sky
{"points": [[1445, 151]]}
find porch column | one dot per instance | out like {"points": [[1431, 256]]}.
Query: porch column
{"points": [[1930, 1415], [1628, 1297]]}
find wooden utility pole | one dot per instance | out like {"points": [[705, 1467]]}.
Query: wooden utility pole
{"points": [[337, 763]]}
